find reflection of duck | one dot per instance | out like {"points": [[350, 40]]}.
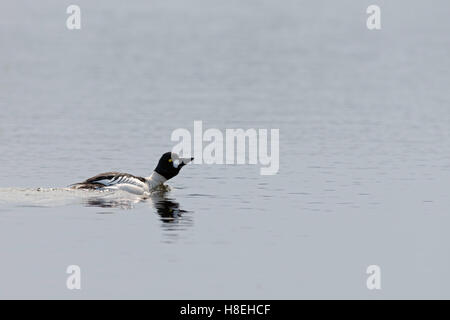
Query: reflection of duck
{"points": [[168, 209], [113, 203], [168, 167]]}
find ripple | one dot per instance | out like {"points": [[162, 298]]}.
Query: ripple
{"points": [[195, 195]]}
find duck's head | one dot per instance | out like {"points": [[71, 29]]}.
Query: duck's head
{"points": [[170, 165]]}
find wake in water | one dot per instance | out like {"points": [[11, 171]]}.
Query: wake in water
{"points": [[168, 209], [52, 197]]}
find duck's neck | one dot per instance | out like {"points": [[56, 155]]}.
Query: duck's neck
{"points": [[155, 180]]}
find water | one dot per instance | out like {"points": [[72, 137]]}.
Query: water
{"points": [[364, 149]]}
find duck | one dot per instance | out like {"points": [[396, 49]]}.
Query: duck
{"points": [[169, 166]]}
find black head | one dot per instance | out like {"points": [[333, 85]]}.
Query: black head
{"points": [[170, 165]]}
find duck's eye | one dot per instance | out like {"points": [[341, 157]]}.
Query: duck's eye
{"points": [[170, 160]]}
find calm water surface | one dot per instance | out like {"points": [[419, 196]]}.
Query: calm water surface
{"points": [[364, 149]]}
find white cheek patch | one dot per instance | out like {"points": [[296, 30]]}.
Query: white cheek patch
{"points": [[176, 163]]}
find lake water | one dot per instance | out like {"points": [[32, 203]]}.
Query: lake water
{"points": [[364, 149]]}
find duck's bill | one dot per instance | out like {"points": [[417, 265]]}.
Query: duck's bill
{"points": [[186, 160], [180, 162]]}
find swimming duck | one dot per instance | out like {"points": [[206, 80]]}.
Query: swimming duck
{"points": [[168, 167]]}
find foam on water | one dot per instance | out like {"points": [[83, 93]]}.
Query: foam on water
{"points": [[52, 197]]}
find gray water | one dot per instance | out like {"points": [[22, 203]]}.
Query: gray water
{"points": [[364, 149]]}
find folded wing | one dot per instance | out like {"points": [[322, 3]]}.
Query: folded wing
{"points": [[109, 179]]}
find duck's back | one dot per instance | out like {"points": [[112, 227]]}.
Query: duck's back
{"points": [[110, 179]]}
